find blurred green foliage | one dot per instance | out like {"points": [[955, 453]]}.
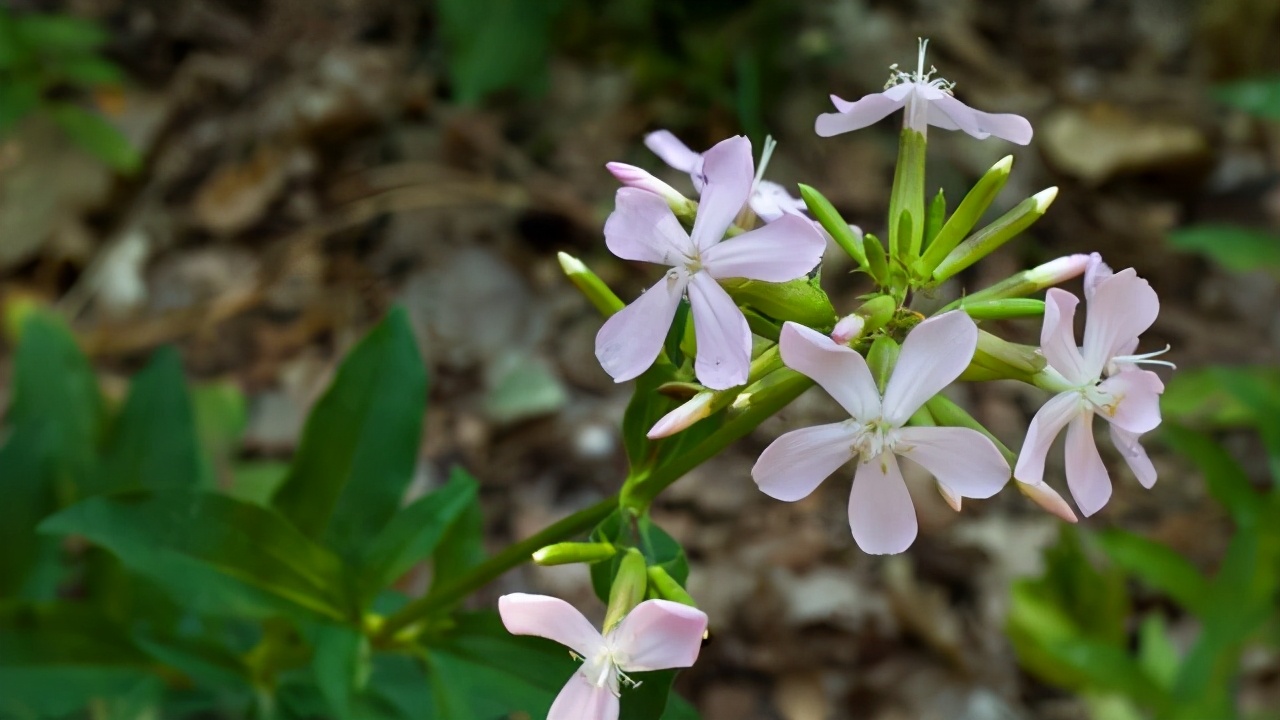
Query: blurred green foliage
{"points": [[45, 61], [147, 573], [1074, 627]]}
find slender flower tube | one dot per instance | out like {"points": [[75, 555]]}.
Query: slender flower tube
{"points": [[656, 635], [643, 228], [928, 101], [769, 200], [1100, 378], [881, 515]]}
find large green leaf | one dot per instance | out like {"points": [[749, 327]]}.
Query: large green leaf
{"points": [[176, 537], [96, 136], [493, 45], [360, 444], [1197, 397], [1159, 566], [152, 442], [1235, 248], [59, 691], [25, 481], [340, 663], [415, 532], [462, 546], [54, 388], [1256, 96], [1226, 481]]}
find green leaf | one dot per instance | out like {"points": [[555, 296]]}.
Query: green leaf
{"points": [[89, 71], [462, 546], [494, 45], [60, 34], [1198, 397], [624, 530], [171, 536], [415, 532], [29, 496], [341, 666], [479, 671], [1159, 566], [647, 406], [1256, 96], [360, 444], [205, 663], [152, 442], [1235, 248], [59, 691], [1156, 652], [256, 482], [1226, 481], [96, 136], [221, 418], [55, 390], [18, 98]]}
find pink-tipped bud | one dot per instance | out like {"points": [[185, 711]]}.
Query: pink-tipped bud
{"points": [[682, 417], [951, 496], [641, 179], [848, 329], [1048, 499], [1058, 271]]}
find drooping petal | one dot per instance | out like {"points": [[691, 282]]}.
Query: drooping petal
{"points": [[641, 179], [1123, 307], [673, 152], [1045, 426], [551, 618], [1048, 499], [982, 125], [1086, 474], [934, 354], [858, 114], [1135, 455], [840, 370], [642, 227], [628, 342], [771, 201], [1137, 400], [1095, 272], [581, 700], [783, 250], [881, 514], [658, 634], [724, 340], [964, 460], [729, 172], [798, 461], [1058, 336]]}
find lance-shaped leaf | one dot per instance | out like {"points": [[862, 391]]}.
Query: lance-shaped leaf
{"points": [[176, 537], [360, 444]]}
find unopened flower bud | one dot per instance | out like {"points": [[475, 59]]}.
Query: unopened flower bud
{"points": [[566, 553], [971, 208], [1005, 360], [986, 240], [877, 311], [1058, 271], [1048, 499], [682, 417], [848, 329], [628, 588], [848, 237], [639, 178], [590, 284], [1027, 282], [1004, 309], [666, 587]]}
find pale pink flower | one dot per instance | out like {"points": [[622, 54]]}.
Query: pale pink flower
{"points": [[656, 635], [1100, 378], [927, 102], [964, 462], [769, 200], [643, 227]]}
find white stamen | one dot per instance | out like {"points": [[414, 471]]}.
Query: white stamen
{"points": [[1145, 358], [920, 76], [765, 155]]}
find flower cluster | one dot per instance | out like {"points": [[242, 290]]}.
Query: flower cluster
{"points": [[886, 364]]}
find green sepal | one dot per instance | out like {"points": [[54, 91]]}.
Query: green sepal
{"points": [[630, 583], [665, 587], [567, 553], [881, 358], [801, 300], [966, 216], [605, 300], [907, 198], [1003, 309], [877, 263], [934, 219], [831, 221], [877, 311], [948, 413], [991, 237]]}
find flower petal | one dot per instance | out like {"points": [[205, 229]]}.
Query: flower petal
{"points": [[1137, 405], [581, 700], [631, 339], [1123, 307], [673, 152], [1045, 426], [783, 250], [797, 462], [934, 354], [658, 634], [840, 370], [982, 125], [1134, 454], [1048, 499], [724, 340], [1086, 475], [964, 460], [881, 514], [771, 201], [856, 115], [1058, 336], [551, 618], [1095, 272], [729, 171], [642, 227]]}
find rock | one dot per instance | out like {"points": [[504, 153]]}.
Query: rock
{"points": [[1099, 142]]}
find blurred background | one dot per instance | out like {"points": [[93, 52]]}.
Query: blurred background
{"points": [[257, 181]]}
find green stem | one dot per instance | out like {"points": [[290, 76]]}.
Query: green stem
{"points": [[485, 572]]}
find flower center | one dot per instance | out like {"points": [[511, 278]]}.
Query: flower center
{"points": [[601, 670], [919, 77], [1101, 400], [872, 439]]}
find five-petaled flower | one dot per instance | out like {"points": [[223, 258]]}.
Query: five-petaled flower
{"points": [[656, 635], [1100, 378], [927, 102], [881, 514], [643, 227]]}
